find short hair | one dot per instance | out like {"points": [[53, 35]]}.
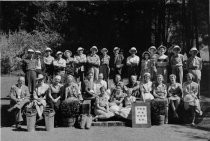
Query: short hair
{"points": [[172, 75], [102, 87], [89, 72], [58, 77], [190, 74], [160, 75]]}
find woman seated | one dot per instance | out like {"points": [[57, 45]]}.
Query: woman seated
{"points": [[102, 106], [191, 101], [160, 94], [146, 87], [125, 112], [88, 87], [118, 82], [174, 94], [116, 100], [54, 96], [100, 83], [39, 95], [70, 91], [134, 86]]}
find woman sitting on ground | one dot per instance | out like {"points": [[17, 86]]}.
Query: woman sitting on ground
{"points": [[160, 94], [102, 106], [54, 96], [40, 93], [191, 101], [174, 94], [116, 100], [99, 83], [125, 112], [146, 87]]}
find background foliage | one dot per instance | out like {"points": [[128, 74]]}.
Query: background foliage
{"points": [[66, 25]]}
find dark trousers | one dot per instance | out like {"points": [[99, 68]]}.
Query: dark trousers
{"points": [[30, 78]]}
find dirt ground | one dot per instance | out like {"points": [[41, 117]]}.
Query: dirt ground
{"points": [[155, 133]]}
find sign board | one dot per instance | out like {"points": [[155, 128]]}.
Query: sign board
{"points": [[141, 114]]}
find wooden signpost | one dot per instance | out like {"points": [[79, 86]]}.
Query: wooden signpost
{"points": [[141, 114]]}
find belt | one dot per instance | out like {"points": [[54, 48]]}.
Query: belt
{"points": [[193, 69], [161, 66]]}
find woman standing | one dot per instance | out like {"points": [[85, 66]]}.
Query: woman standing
{"points": [[54, 96], [160, 94], [69, 63], [59, 65], [146, 64], [177, 61], [174, 94], [146, 87], [133, 62], [162, 63], [153, 56], [191, 101], [39, 95], [104, 68]]}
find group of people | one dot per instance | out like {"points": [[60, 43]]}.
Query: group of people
{"points": [[49, 81]]}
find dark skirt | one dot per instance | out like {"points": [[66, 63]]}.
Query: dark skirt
{"points": [[105, 70]]}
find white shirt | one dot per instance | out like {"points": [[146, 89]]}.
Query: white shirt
{"points": [[133, 60]]}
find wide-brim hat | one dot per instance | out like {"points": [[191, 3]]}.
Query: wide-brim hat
{"points": [[80, 48], [59, 52], [193, 49], [94, 48], [152, 47], [67, 51], [104, 50], [162, 46], [48, 49], [116, 48], [38, 52], [146, 52], [133, 49], [31, 50], [40, 77], [147, 74], [177, 47]]}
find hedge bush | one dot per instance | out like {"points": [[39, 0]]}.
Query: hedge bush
{"points": [[15, 45]]}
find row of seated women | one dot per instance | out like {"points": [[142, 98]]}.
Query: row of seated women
{"points": [[116, 100]]}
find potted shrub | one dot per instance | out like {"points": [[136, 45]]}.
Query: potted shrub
{"points": [[69, 111], [158, 112]]}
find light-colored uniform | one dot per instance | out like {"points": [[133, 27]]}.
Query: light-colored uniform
{"points": [[94, 63], [133, 63], [177, 66]]}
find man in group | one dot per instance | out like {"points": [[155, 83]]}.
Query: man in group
{"points": [[80, 61], [48, 60], [117, 62], [29, 68], [19, 94], [40, 66], [93, 61]]}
